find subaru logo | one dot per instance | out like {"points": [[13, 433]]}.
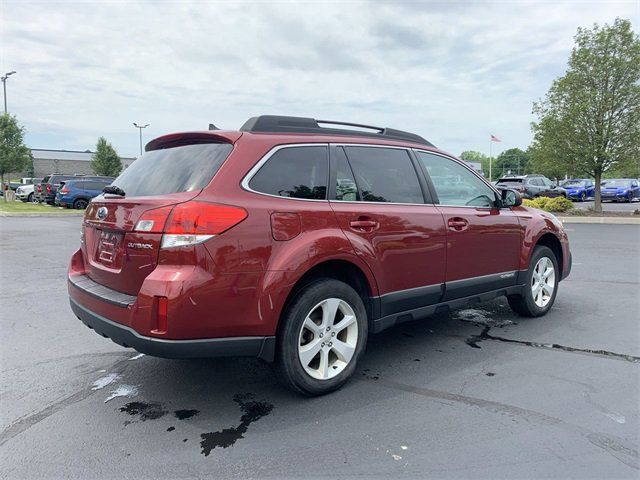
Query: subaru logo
{"points": [[102, 213]]}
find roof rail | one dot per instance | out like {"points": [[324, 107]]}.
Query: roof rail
{"points": [[285, 124]]}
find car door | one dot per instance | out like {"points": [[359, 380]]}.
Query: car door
{"points": [[379, 201], [483, 241]]}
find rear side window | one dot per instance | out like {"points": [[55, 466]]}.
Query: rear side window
{"points": [[346, 189], [294, 172], [173, 170], [385, 175], [95, 185]]}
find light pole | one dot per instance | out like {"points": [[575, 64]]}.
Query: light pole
{"points": [[4, 87], [140, 127]]}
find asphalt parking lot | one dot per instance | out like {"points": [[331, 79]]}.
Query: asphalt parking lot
{"points": [[610, 206], [445, 397]]}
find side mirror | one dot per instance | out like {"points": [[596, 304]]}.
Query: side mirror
{"points": [[511, 198], [553, 185]]}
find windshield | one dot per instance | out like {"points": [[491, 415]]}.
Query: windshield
{"points": [[173, 170], [574, 183], [616, 183]]}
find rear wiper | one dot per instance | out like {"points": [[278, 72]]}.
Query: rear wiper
{"points": [[113, 189]]}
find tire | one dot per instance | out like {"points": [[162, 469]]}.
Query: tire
{"points": [[583, 197], [80, 204], [304, 324], [526, 304], [629, 198], [30, 198]]}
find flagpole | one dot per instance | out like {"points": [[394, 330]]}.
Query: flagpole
{"points": [[490, 160]]}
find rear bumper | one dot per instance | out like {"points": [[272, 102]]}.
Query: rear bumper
{"points": [[261, 347]]}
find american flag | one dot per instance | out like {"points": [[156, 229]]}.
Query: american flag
{"points": [[495, 139]]}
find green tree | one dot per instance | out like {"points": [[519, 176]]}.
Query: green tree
{"points": [[14, 155], [472, 156], [589, 121], [513, 160], [106, 160]]}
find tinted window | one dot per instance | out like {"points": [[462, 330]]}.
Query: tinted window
{"points": [[346, 188], [510, 180], [95, 185], [385, 175], [294, 172], [173, 170], [454, 184]]}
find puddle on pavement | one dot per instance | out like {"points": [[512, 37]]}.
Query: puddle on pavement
{"points": [[252, 411], [144, 411]]}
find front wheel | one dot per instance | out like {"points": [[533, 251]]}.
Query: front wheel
{"points": [[541, 286], [322, 336], [583, 197]]}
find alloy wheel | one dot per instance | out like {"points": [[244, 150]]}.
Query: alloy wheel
{"points": [[328, 338], [543, 282]]}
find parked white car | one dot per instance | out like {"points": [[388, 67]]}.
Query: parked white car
{"points": [[25, 193]]}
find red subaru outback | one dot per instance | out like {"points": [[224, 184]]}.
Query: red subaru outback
{"points": [[293, 239]]}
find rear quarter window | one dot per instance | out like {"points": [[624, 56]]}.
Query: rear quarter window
{"points": [[173, 170]]}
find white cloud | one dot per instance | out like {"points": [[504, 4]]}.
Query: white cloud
{"points": [[452, 71]]}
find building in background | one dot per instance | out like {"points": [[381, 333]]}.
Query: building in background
{"points": [[46, 162]]}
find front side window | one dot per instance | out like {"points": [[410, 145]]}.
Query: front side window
{"points": [[385, 175], [454, 184], [294, 172]]}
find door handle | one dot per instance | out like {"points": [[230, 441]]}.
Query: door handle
{"points": [[364, 224], [458, 224]]}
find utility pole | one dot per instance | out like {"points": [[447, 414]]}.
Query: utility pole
{"points": [[140, 127], [4, 87]]}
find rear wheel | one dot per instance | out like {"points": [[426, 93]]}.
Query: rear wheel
{"points": [[322, 336], [80, 204], [541, 286]]}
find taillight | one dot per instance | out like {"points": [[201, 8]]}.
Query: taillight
{"points": [[39, 187], [48, 188], [190, 223], [64, 190], [152, 221]]}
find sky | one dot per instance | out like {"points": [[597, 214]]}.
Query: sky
{"points": [[454, 72]]}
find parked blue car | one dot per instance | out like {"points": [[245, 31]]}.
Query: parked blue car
{"points": [[579, 189], [620, 189], [78, 193]]}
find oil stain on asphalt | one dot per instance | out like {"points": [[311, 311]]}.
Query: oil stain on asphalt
{"points": [[252, 411]]}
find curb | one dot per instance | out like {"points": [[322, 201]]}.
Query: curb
{"points": [[29, 214], [602, 220]]}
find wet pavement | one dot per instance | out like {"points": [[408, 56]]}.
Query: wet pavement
{"points": [[479, 392]]}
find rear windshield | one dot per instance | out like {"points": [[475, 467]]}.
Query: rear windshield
{"points": [[46, 179], [173, 170]]}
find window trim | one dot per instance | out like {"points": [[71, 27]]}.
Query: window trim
{"points": [[244, 184], [434, 193]]}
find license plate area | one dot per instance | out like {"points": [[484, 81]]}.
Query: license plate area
{"points": [[108, 249]]}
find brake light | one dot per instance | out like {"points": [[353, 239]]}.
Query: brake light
{"points": [[39, 187], [190, 223], [64, 190], [48, 188]]}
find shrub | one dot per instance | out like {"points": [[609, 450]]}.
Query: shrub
{"points": [[557, 204]]}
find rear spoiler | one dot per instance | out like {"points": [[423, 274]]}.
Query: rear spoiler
{"points": [[192, 138]]}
